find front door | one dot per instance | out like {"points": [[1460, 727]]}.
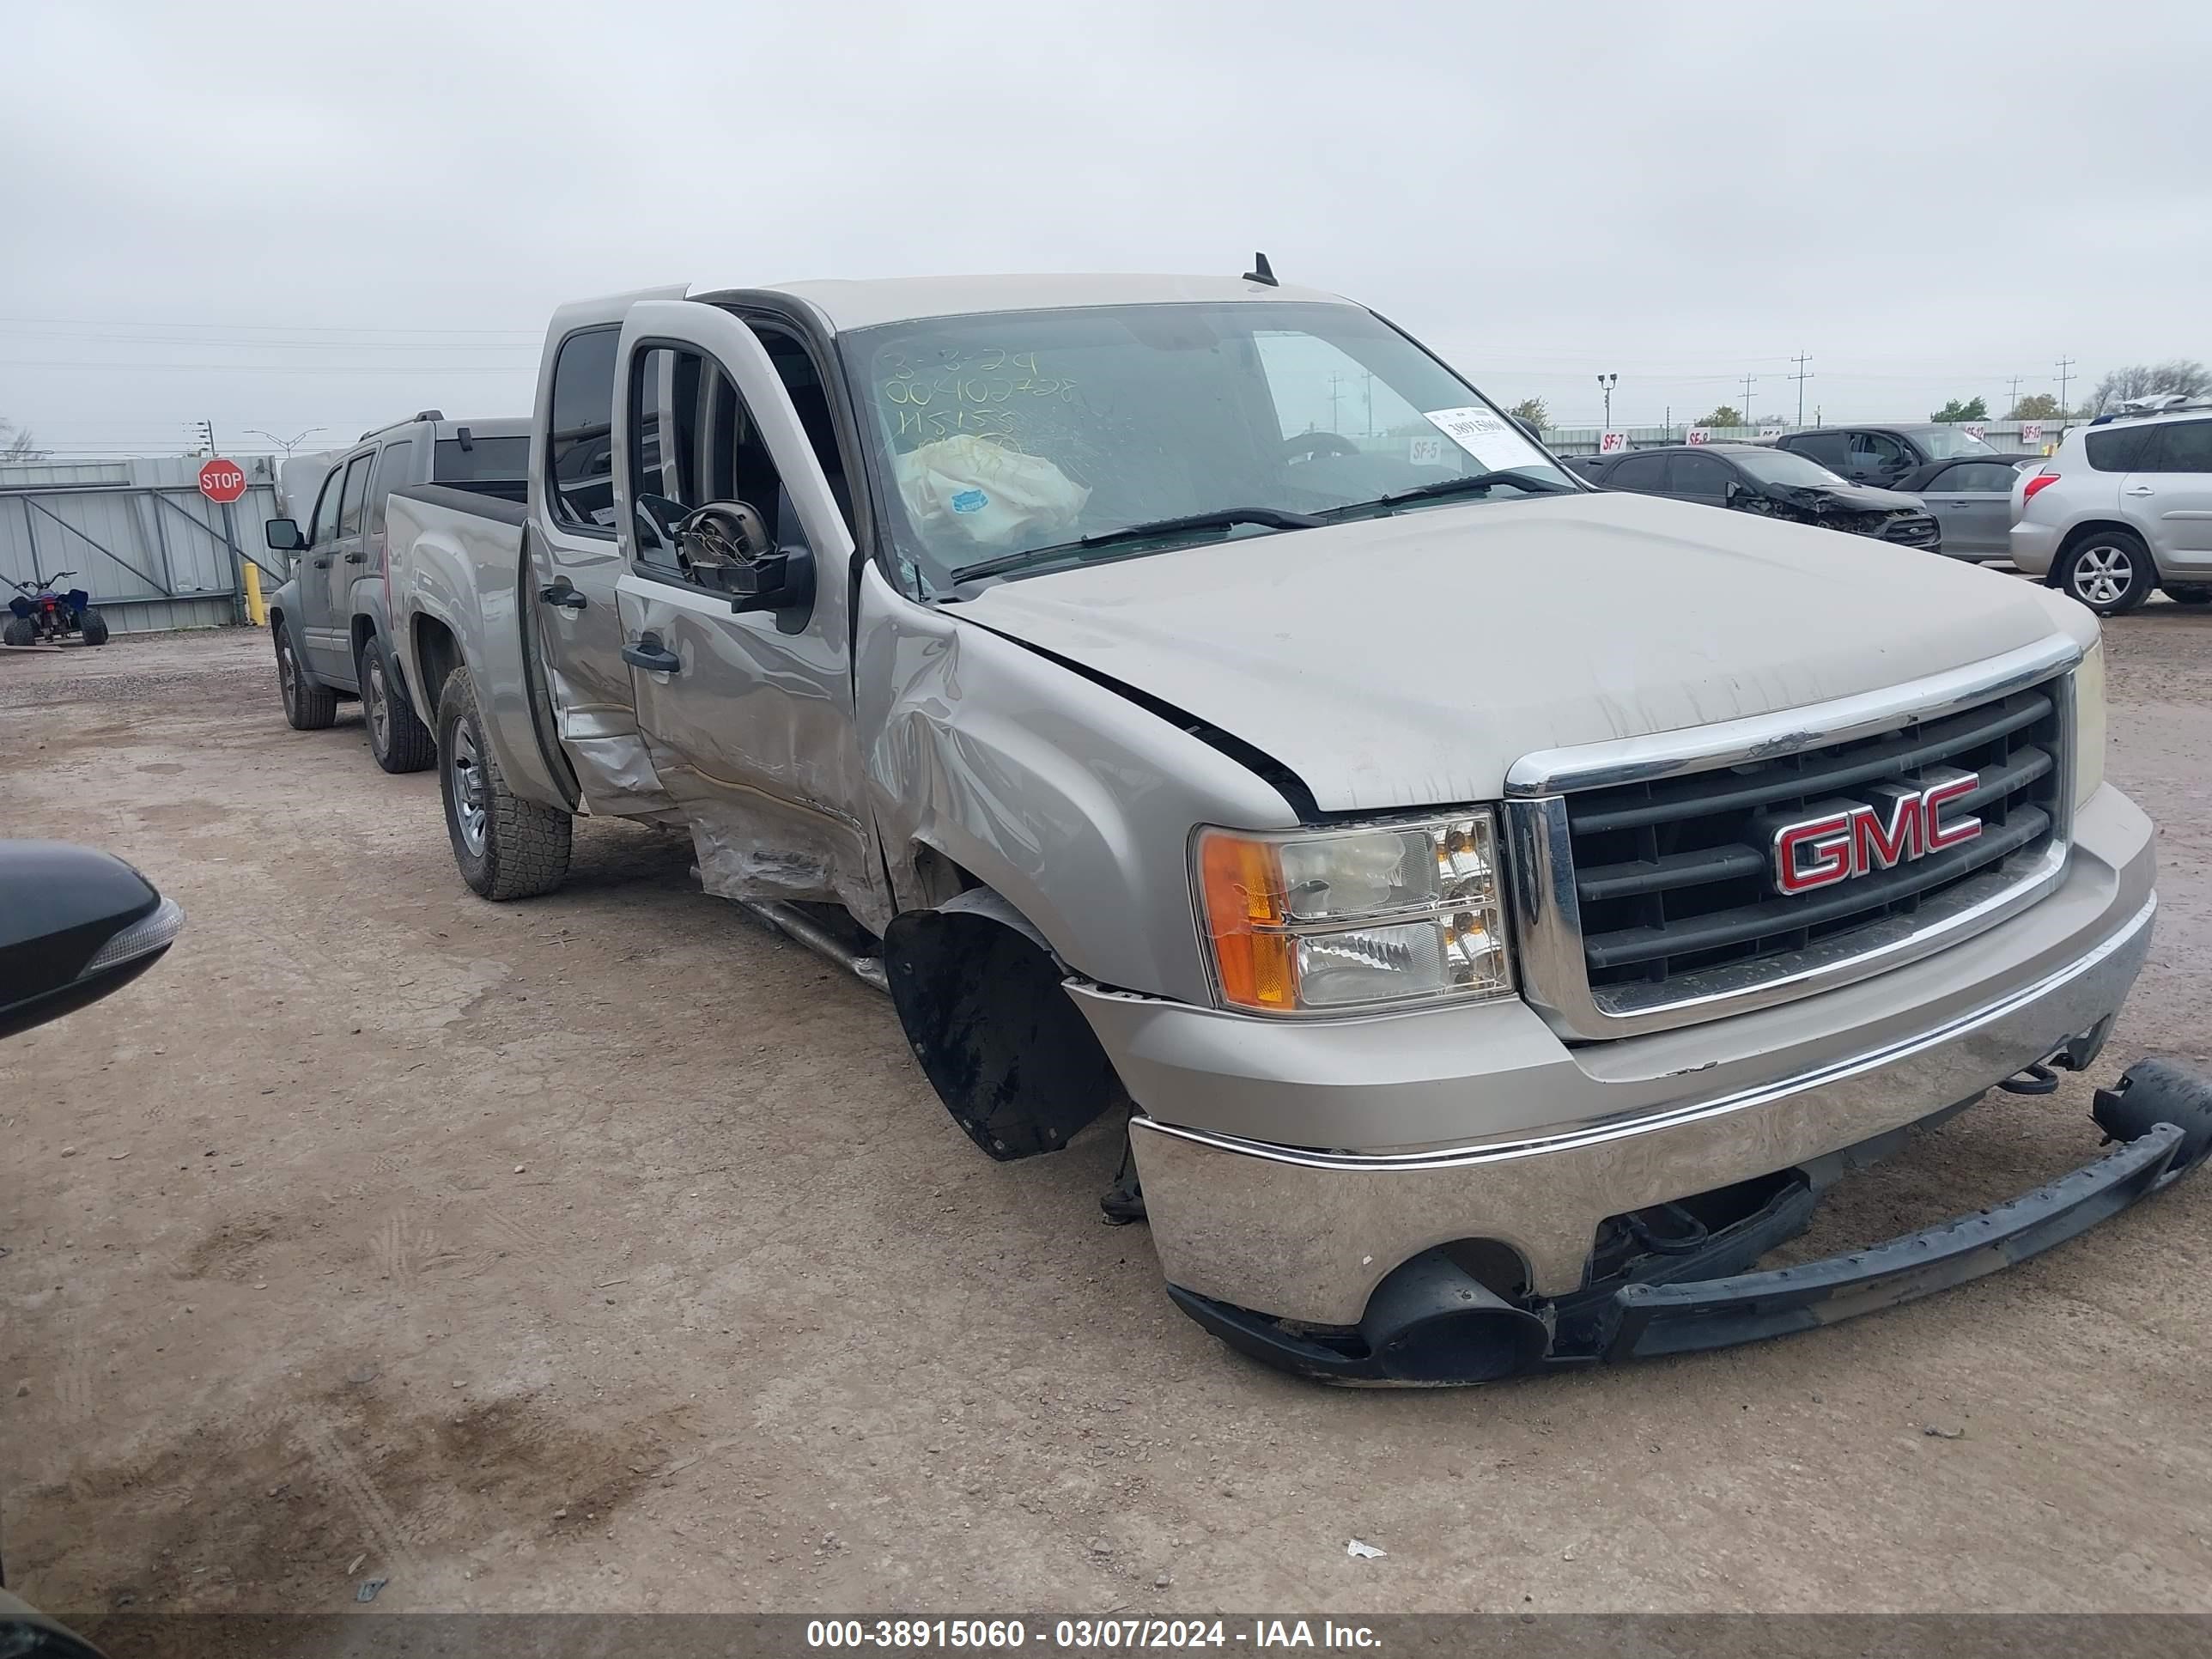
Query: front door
{"points": [[311, 570], [1972, 503], [748, 715], [575, 556]]}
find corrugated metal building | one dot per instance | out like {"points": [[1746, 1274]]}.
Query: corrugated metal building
{"points": [[153, 552]]}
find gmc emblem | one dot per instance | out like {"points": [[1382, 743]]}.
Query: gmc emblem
{"points": [[1854, 838]]}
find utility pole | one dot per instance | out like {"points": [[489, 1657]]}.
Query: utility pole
{"points": [[1746, 409], [2065, 367], [1803, 375], [2014, 403], [204, 435], [1605, 383], [1335, 393]]}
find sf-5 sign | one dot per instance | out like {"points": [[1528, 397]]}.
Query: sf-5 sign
{"points": [[1844, 839]]}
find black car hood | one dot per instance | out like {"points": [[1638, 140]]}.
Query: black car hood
{"points": [[1845, 497]]}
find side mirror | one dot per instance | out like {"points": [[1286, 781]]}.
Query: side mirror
{"points": [[729, 542], [781, 581], [283, 535], [75, 924], [1730, 490]]}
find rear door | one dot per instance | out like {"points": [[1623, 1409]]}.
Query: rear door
{"points": [[1972, 502], [332, 567], [2170, 494], [1644, 474], [395, 470], [748, 716], [576, 556], [311, 570]]}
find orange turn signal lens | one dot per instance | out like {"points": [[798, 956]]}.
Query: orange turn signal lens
{"points": [[1242, 883]]}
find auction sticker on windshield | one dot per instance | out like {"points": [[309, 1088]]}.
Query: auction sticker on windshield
{"points": [[1486, 436]]}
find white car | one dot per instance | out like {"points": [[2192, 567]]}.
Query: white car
{"points": [[2124, 506]]}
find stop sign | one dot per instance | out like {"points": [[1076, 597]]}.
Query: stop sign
{"points": [[223, 481]]}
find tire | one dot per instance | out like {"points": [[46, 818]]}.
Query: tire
{"points": [[507, 847], [20, 630], [309, 706], [93, 626], [2187, 593], [397, 739], [2108, 570]]}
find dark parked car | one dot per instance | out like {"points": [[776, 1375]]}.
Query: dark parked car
{"points": [[1752, 478], [1971, 500], [1882, 455]]}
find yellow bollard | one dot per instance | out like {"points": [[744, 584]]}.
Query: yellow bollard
{"points": [[257, 609]]}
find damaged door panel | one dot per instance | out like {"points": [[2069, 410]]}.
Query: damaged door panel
{"points": [[744, 697]]}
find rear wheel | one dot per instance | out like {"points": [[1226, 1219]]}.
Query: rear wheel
{"points": [[20, 630], [93, 626], [397, 739], [308, 706], [507, 847], [2108, 570], [2187, 593]]}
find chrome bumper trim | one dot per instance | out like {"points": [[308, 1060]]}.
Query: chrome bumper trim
{"points": [[1307, 1235]]}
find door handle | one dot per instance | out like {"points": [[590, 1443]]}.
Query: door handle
{"points": [[562, 594], [322, 564], [650, 654], [354, 558], [2140, 489]]}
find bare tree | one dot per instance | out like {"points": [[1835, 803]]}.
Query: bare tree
{"points": [[2183, 374], [17, 445]]}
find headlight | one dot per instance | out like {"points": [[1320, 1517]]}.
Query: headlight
{"points": [[1322, 921], [2089, 725]]}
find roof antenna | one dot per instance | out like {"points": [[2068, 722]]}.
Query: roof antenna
{"points": [[1262, 271]]}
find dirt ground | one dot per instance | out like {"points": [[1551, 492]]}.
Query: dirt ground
{"points": [[602, 1252]]}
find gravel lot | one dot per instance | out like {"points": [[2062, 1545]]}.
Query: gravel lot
{"points": [[604, 1253]]}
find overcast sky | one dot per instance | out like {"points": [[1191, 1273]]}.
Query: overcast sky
{"points": [[300, 216]]}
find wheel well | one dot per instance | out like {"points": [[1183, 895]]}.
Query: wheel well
{"points": [[275, 619], [983, 1003], [364, 630], [2081, 533], [439, 652]]}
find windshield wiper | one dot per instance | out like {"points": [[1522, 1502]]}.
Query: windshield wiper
{"points": [[1474, 482], [1226, 518]]}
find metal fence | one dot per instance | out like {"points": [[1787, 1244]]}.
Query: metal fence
{"points": [[150, 549], [1584, 439]]}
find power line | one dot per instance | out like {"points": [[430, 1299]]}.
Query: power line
{"points": [[1803, 375]]}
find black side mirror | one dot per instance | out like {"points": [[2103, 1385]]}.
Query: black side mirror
{"points": [[1730, 490], [75, 924], [781, 581], [728, 542], [283, 535]]}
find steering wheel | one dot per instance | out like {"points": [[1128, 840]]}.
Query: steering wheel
{"points": [[1311, 446]]}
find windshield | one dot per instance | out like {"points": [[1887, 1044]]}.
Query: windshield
{"points": [[1008, 434], [1942, 442], [1781, 466]]}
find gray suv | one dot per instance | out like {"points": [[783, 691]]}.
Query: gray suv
{"points": [[331, 619], [2124, 506]]}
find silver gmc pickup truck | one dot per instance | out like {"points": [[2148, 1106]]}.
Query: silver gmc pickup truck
{"points": [[1496, 908]]}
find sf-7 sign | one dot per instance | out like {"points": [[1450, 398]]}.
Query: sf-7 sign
{"points": [[1902, 823]]}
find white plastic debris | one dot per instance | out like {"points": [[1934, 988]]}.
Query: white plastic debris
{"points": [[1360, 1550]]}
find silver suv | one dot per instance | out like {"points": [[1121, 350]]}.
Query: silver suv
{"points": [[2124, 506]]}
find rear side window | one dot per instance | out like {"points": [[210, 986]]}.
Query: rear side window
{"points": [[1991, 478], [482, 460], [2185, 447], [1831, 449], [394, 465], [1638, 473], [2120, 448], [357, 493], [580, 452], [1692, 474]]}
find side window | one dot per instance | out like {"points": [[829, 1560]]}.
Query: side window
{"points": [[394, 467], [1986, 477], [1638, 473], [2185, 447], [692, 441], [2120, 449], [1831, 449], [1690, 474], [1875, 452], [580, 452], [326, 507], [357, 493]]}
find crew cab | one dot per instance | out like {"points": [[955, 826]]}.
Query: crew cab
{"points": [[329, 619], [1496, 908]]}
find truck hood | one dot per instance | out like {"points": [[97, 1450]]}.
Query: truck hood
{"points": [[1409, 661]]}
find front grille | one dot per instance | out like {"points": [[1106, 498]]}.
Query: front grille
{"points": [[1913, 529], [1674, 878]]}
